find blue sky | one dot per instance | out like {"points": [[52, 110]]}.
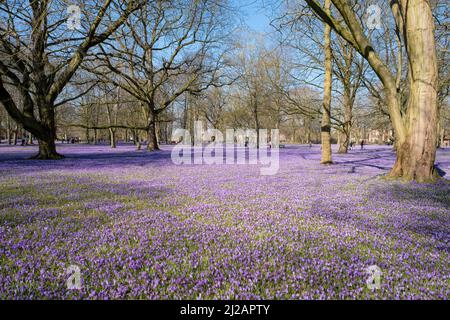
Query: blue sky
{"points": [[255, 14]]}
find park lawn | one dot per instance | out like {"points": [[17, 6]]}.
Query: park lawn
{"points": [[139, 226]]}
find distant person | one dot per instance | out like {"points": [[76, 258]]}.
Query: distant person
{"points": [[362, 144], [310, 144], [351, 145], [23, 142]]}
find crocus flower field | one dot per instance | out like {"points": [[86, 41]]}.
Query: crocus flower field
{"points": [[139, 226]]}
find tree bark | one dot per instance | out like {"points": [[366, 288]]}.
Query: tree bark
{"points": [[137, 140], [88, 137], [255, 109], [152, 140], [47, 135], [417, 153], [346, 128], [415, 133], [47, 150], [112, 137], [326, 114], [15, 134], [47, 147], [8, 129], [40, 81], [30, 138]]}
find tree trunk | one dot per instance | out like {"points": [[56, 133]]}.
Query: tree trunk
{"points": [[326, 114], [47, 147], [137, 140], [47, 134], [345, 134], [133, 136], [112, 137], [47, 150], [8, 129], [256, 115], [257, 129], [438, 135], [308, 130], [88, 138], [15, 135], [416, 154], [95, 136], [30, 138], [152, 140], [158, 132]]}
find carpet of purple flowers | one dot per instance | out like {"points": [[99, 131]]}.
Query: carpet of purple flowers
{"points": [[139, 226]]}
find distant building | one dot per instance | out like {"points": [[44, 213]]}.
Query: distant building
{"points": [[376, 136]]}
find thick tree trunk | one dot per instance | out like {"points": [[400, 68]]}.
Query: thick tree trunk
{"points": [[47, 150], [47, 135], [416, 133], [326, 112], [152, 139], [343, 142], [416, 154], [158, 132]]}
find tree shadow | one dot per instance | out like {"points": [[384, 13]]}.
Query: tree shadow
{"points": [[41, 200]]}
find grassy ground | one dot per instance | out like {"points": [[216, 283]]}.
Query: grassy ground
{"points": [[139, 226]]}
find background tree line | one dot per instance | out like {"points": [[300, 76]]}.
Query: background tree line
{"points": [[332, 71]]}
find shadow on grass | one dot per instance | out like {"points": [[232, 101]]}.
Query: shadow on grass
{"points": [[30, 200]]}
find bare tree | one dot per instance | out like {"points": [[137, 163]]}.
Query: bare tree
{"points": [[349, 70], [41, 57], [415, 130], [326, 109], [167, 48], [213, 107]]}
